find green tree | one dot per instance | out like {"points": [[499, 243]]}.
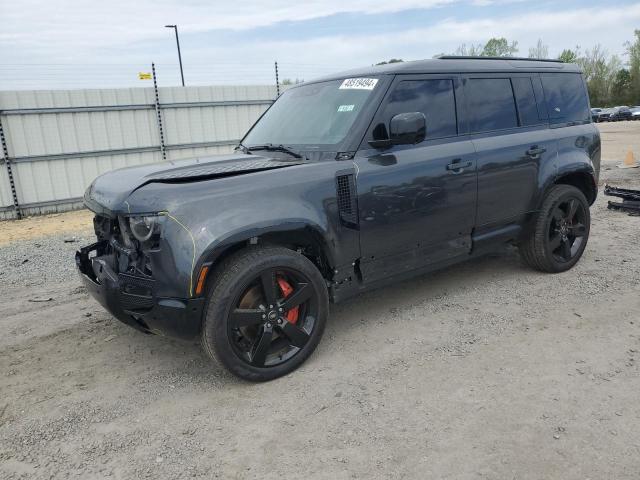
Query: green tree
{"points": [[569, 56], [539, 51], [599, 70], [621, 89], [633, 52], [473, 50], [499, 47], [495, 47]]}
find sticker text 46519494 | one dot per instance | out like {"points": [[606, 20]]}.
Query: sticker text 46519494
{"points": [[359, 83]]}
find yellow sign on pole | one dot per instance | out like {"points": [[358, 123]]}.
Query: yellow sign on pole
{"points": [[144, 76]]}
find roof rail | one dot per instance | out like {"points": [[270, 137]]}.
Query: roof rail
{"points": [[471, 57]]}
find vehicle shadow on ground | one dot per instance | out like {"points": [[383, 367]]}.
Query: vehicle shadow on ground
{"points": [[107, 351], [446, 283], [348, 317]]}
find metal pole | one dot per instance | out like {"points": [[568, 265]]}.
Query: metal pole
{"points": [[175, 28], [277, 82], [7, 162], [158, 114]]}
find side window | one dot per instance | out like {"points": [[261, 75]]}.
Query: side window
{"points": [[434, 98], [566, 97], [490, 104], [526, 101]]}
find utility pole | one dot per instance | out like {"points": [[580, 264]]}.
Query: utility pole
{"points": [[175, 28]]}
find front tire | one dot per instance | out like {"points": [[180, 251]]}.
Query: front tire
{"points": [[560, 232], [266, 312]]}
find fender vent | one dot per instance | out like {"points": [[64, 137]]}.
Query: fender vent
{"points": [[347, 199]]}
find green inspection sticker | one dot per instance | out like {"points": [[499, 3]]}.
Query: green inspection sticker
{"points": [[346, 108]]}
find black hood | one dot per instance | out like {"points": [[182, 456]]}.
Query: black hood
{"points": [[110, 190]]}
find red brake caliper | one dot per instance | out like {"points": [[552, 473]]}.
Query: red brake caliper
{"points": [[291, 315]]}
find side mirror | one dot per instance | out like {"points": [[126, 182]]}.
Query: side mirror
{"points": [[407, 128], [404, 129]]}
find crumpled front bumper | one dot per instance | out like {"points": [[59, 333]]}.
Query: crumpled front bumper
{"points": [[132, 300]]}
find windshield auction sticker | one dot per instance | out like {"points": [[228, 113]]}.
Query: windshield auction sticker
{"points": [[359, 83]]}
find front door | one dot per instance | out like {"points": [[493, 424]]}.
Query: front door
{"points": [[417, 203]]}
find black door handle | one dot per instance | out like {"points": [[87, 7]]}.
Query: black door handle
{"points": [[535, 151], [456, 166]]}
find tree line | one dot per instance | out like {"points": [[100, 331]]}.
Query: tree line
{"points": [[611, 80]]}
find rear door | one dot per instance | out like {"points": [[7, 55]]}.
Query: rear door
{"points": [[509, 129], [417, 202]]}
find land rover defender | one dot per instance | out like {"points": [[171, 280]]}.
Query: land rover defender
{"points": [[345, 184]]}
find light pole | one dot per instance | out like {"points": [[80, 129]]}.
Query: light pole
{"points": [[175, 27]]}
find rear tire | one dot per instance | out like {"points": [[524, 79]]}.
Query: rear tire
{"points": [[560, 231], [258, 327]]}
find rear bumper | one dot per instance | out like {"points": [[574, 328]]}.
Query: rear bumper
{"points": [[132, 300]]}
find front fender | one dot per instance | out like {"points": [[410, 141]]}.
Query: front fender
{"points": [[204, 219]]}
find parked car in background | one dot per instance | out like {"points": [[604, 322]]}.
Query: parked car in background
{"points": [[595, 114], [635, 113], [620, 113], [348, 183], [605, 115]]}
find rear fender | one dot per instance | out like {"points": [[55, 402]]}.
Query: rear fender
{"points": [[581, 175]]}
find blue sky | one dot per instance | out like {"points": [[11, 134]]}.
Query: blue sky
{"points": [[70, 44]]}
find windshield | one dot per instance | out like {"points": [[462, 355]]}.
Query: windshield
{"points": [[318, 114]]}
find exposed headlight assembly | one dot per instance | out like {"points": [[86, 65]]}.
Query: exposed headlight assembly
{"points": [[143, 228]]}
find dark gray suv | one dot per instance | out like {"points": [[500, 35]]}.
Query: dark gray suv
{"points": [[347, 183]]}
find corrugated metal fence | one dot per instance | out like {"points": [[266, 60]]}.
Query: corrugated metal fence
{"points": [[57, 142]]}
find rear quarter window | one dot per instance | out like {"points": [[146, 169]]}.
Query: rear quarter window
{"points": [[490, 104], [566, 97], [526, 100]]}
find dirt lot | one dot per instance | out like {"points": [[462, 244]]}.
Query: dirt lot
{"points": [[486, 370]]}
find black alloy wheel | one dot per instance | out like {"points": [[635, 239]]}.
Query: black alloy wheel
{"points": [[266, 312], [273, 318], [559, 232], [567, 229]]}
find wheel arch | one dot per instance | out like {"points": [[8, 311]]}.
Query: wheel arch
{"points": [[583, 181], [304, 237]]}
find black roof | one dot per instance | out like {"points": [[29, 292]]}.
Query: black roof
{"points": [[454, 64]]}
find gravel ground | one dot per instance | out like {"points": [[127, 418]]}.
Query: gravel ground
{"points": [[485, 370], [21, 263]]}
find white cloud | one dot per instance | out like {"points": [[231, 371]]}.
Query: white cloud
{"points": [[101, 34], [558, 29], [42, 24]]}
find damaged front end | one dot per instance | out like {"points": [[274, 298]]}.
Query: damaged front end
{"points": [[118, 271], [142, 267]]}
